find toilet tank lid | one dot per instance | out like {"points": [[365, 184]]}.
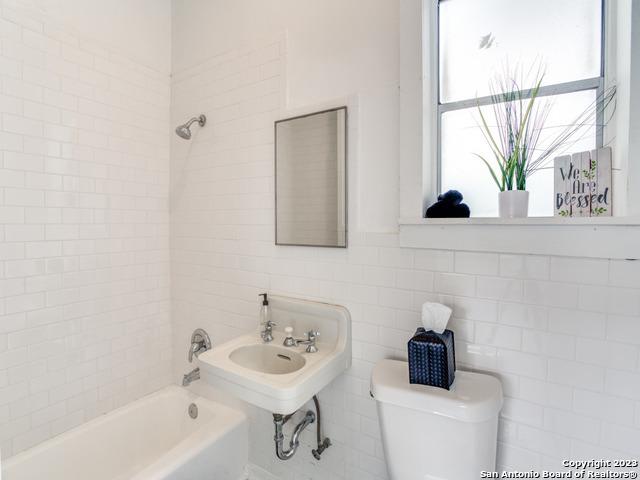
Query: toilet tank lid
{"points": [[473, 397]]}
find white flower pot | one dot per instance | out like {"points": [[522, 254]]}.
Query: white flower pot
{"points": [[513, 204]]}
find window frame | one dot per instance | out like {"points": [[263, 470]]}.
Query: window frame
{"points": [[608, 237], [574, 86], [419, 95]]}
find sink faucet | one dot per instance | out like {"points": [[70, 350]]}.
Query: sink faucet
{"points": [[191, 377], [267, 333], [310, 342]]}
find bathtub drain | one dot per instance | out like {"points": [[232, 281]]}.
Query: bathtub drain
{"points": [[193, 411]]}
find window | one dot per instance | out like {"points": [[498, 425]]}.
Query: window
{"points": [[478, 39]]}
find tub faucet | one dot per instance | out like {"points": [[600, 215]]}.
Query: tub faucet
{"points": [[200, 342], [191, 377]]}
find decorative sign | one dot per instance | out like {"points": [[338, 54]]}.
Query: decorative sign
{"points": [[583, 184]]}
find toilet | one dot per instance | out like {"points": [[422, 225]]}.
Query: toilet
{"points": [[430, 433]]}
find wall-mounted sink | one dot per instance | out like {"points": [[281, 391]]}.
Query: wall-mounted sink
{"points": [[277, 378], [268, 359]]}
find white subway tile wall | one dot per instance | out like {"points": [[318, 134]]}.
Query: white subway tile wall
{"points": [[562, 334], [84, 229]]}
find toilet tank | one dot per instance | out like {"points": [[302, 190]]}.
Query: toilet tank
{"points": [[430, 433]]}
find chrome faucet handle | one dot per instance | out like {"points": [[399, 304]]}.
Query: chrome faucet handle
{"points": [[200, 342], [194, 350], [312, 336]]}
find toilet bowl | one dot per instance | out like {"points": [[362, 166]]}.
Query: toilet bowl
{"points": [[430, 433]]}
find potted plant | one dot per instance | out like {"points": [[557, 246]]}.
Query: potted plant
{"points": [[520, 118]]}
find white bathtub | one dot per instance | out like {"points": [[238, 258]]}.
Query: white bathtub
{"points": [[150, 439]]}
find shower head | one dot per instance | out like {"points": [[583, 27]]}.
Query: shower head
{"points": [[184, 130]]}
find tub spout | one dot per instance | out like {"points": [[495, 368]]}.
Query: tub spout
{"points": [[191, 377]]}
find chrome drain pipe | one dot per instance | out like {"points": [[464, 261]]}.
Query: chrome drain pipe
{"points": [[278, 422]]}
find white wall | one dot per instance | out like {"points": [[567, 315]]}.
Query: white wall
{"points": [[84, 240], [137, 29], [335, 49], [561, 333]]}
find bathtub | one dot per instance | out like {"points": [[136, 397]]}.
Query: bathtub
{"points": [[150, 439]]}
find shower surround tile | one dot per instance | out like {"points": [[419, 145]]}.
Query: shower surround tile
{"points": [[84, 228]]}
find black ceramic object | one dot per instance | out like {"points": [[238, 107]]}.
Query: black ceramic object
{"points": [[449, 205]]}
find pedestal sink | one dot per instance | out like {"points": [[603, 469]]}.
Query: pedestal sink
{"points": [[277, 378]]}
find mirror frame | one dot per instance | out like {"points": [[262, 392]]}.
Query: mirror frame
{"points": [[345, 180]]}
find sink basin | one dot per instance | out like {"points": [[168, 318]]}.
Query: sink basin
{"points": [[267, 359], [274, 377]]}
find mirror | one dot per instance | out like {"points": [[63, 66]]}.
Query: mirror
{"points": [[311, 168]]}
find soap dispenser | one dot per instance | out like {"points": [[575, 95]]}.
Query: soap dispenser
{"points": [[265, 320], [265, 313]]}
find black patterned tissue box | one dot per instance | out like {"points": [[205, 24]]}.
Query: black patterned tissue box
{"points": [[432, 358]]}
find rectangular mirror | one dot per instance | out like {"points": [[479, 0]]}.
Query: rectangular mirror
{"points": [[311, 171]]}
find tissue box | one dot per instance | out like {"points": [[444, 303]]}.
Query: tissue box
{"points": [[432, 359]]}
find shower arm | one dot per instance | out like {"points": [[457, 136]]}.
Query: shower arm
{"points": [[201, 121]]}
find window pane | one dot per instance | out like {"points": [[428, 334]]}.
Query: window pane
{"points": [[479, 37], [462, 170]]}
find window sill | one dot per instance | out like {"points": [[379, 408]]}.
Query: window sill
{"points": [[606, 237], [590, 221]]}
